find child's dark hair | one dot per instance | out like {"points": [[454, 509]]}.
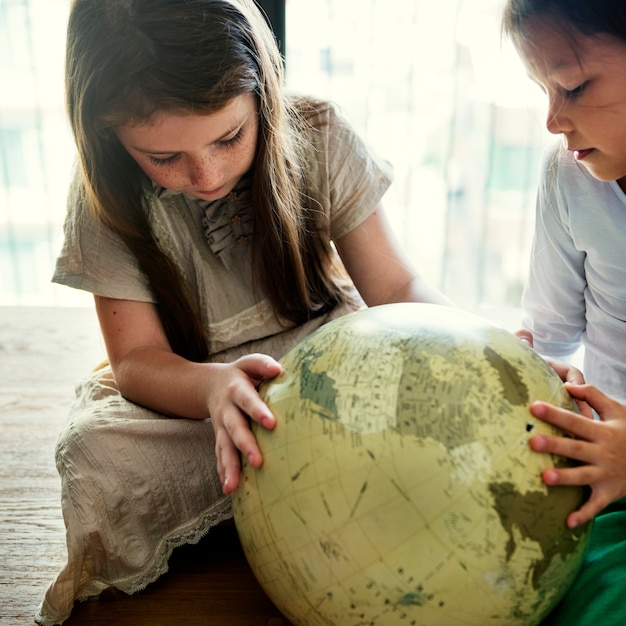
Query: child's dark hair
{"points": [[587, 17], [129, 59]]}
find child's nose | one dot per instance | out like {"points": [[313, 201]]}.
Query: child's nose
{"points": [[204, 174], [558, 120]]}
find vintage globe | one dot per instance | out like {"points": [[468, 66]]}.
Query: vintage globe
{"points": [[398, 486]]}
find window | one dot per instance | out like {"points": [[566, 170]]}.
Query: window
{"points": [[14, 34], [36, 150], [434, 90], [428, 85]]}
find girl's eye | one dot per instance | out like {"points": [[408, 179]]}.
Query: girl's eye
{"points": [[577, 91], [228, 143], [225, 143], [164, 161]]}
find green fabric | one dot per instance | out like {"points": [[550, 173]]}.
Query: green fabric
{"points": [[598, 594]]}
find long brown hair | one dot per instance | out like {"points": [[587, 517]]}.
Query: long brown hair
{"points": [[127, 60]]}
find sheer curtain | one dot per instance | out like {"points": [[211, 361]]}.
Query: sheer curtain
{"points": [[428, 84], [35, 149], [435, 91]]}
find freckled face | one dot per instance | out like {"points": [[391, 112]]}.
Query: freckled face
{"points": [[585, 81], [202, 155]]}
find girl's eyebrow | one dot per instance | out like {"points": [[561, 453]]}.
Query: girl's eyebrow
{"points": [[236, 128]]}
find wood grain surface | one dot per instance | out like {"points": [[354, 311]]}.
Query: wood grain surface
{"points": [[43, 351]]}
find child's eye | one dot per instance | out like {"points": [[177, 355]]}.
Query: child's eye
{"points": [[577, 91], [227, 143], [164, 161]]}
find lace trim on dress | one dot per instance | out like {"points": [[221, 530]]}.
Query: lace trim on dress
{"points": [[260, 314], [192, 533]]}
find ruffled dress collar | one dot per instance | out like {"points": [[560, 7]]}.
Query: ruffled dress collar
{"points": [[228, 223]]}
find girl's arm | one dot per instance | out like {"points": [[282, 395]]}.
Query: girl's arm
{"points": [[378, 268], [147, 372], [553, 301]]}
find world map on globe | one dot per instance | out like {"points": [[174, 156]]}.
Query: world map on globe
{"points": [[398, 486]]}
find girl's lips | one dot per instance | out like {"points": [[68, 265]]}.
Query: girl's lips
{"points": [[210, 192], [581, 154]]}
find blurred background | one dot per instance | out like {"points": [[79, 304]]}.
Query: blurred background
{"points": [[431, 86]]}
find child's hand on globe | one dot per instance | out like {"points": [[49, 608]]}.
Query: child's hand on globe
{"points": [[599, 446]]}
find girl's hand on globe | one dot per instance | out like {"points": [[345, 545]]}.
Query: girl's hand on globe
{"points": [[233, 398], [525, 335], [566, 372], [570, 374], [599, 445]]}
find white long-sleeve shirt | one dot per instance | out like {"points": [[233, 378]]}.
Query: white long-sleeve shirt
{"points": [[576, 291]]}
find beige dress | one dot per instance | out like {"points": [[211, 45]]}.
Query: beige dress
{"points": [[136, 484]]}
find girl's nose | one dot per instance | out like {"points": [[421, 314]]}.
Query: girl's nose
{"points": [[558, 121], [205, 175]]}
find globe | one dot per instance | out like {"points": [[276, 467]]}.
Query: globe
{"points": [[398, 486]]}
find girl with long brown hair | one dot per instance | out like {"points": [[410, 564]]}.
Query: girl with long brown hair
{"points": [[217, 221]]}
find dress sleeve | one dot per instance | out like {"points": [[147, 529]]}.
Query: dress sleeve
{"points": [[553, 301], [357, 178], [94, 259]]}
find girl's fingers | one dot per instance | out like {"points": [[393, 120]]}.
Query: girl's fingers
{"points": [[233, 438], [578, 477], [564, 419], [585, 514], [259, 367], [571, 476], [258, 411], [592, 507], [525, 335], [597, 444], [246, 402], [242, 438], [227, 461], [566, 371], [595, 398], [239, 401], [567, 447]]}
